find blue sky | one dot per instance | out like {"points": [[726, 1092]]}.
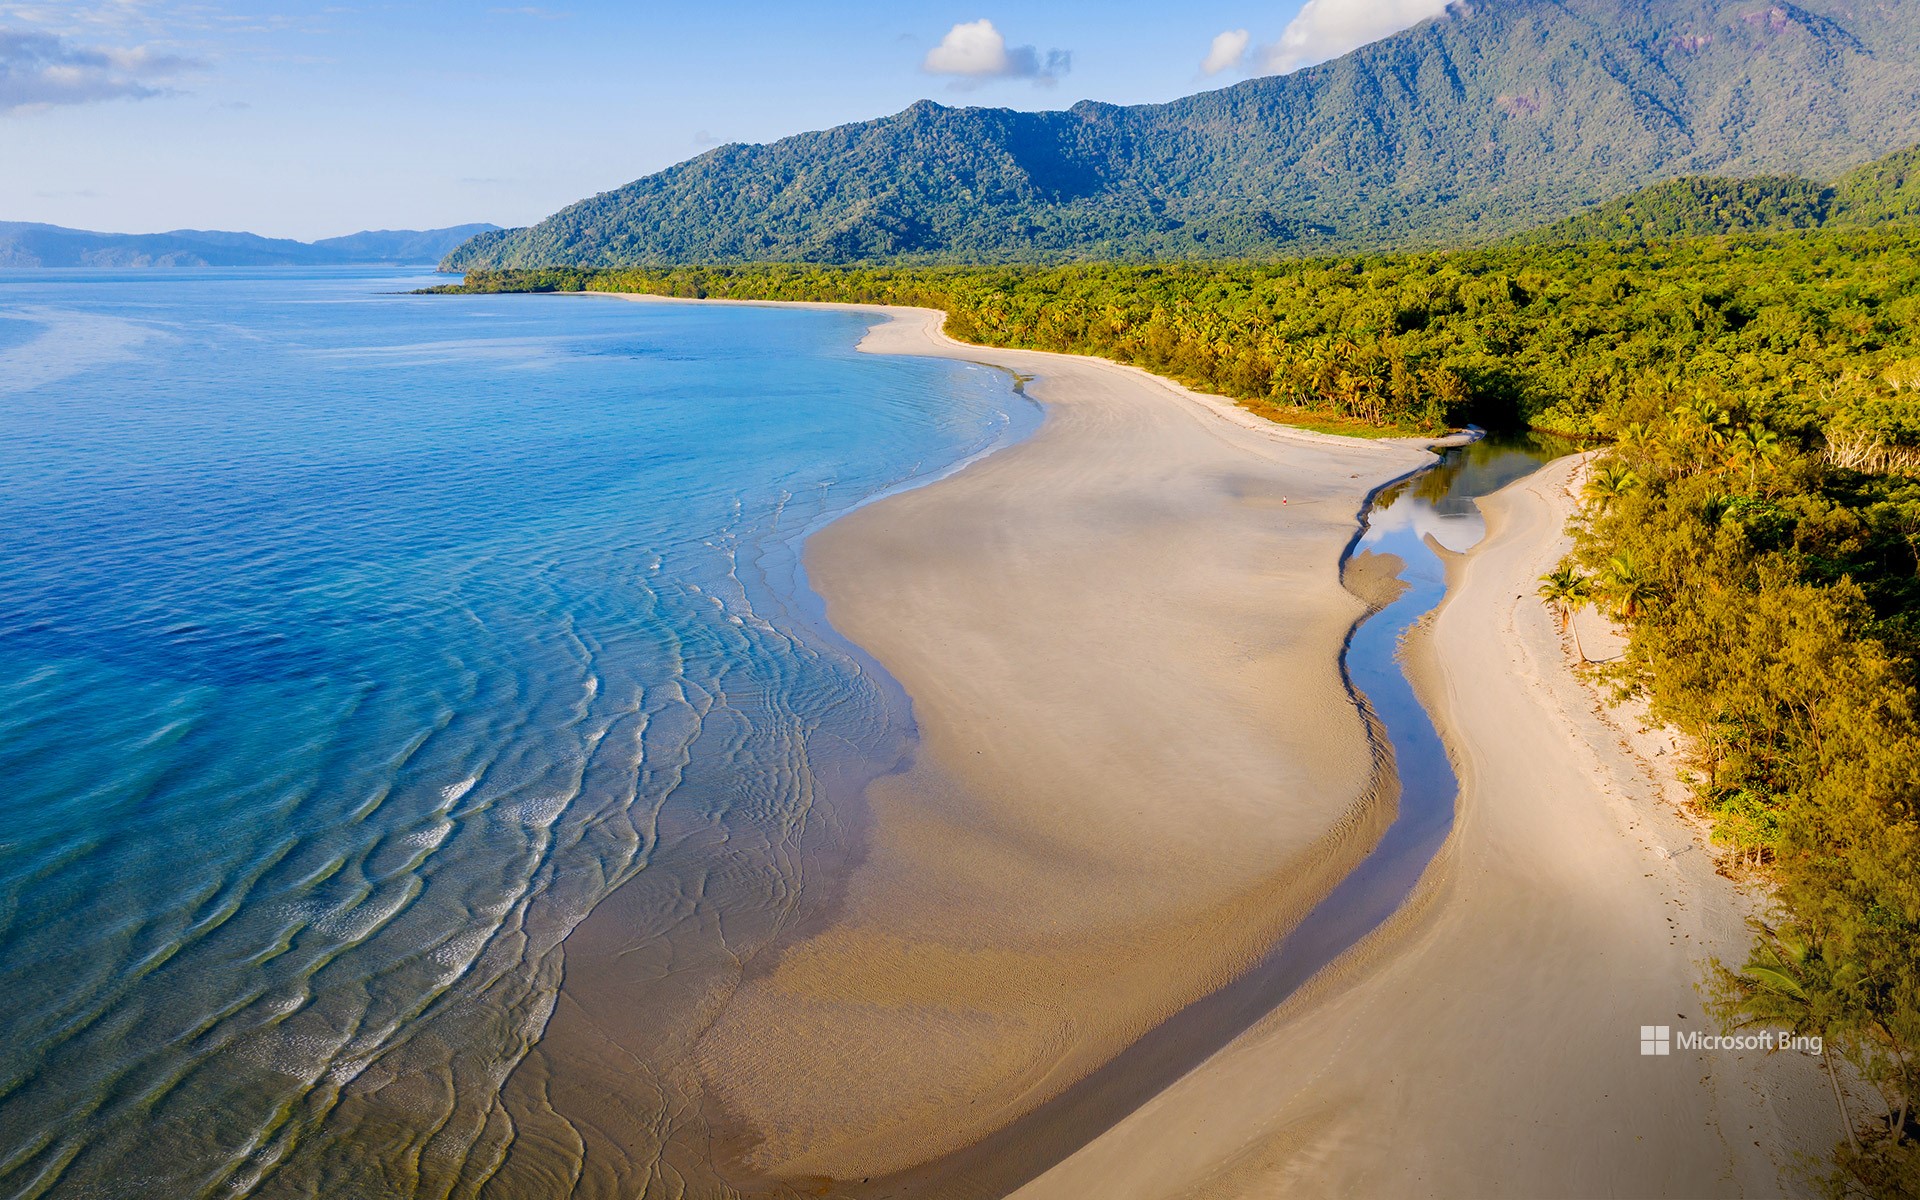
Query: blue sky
{"points": [[314, 119]]}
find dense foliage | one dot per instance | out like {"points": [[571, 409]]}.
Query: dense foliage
{"points": [[1548, 337], [1887, 190], [1696, 205], [1774, 606], [1490, 119], [1755, 522], [1884, 191]]}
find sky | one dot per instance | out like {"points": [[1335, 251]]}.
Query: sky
{"points": [[313, 119]]}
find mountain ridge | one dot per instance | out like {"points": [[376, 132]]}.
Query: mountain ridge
{"points": [[1498, 115], [33, 244]]}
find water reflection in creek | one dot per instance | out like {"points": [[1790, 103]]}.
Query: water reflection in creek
{"points": [[1403, 525]]}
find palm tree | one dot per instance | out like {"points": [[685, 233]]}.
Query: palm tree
{"points": [[1628, 587], [1754, 444], [1613, 480], [1781, 985], [1700, 424], [1708, 419], [1565, 591]]}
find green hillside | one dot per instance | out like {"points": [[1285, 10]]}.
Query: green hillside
{"points": [[1884, 191], [1697, 205], [1887, 190], [1494, 118]]}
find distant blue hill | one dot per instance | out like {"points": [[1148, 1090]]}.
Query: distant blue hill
{"points": [[23, 244]]}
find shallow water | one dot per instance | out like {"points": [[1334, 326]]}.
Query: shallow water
{"points": [[1407, 520], [353, 645], [1437, 505]]}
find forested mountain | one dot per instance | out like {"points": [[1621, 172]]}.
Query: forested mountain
{"points": [[1880, 192], [1497, 116], [23, 244]]}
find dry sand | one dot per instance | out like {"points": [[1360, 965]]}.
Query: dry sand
{"points": [[1139, 764], [1486, 1042]]}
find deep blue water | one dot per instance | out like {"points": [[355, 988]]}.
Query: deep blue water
{"points": [[353, 645]]}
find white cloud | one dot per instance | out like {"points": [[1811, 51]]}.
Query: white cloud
{"points": [[970, 48], [974, 51], [89, 19], [1228, 50], [1326, 29], [42, 69]]}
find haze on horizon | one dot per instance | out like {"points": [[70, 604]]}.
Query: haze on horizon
{"points": [[310, 119]]}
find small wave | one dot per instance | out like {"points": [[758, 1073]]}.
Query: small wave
{"points": [[352, 923], [537, 814], [430, 837], [346, 1070], [454, 791], [458, 953], [296, 1055]]}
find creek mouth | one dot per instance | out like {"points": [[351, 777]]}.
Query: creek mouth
{"points": [[1397, 563]]}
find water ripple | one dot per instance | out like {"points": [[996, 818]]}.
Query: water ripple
{"points": [[346, 665]]}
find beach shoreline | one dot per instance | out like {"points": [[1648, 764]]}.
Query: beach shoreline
{"points": [[1024, 912], [1140, 765]]}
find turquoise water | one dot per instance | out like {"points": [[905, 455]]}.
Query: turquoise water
{"points": [[353, 645]]}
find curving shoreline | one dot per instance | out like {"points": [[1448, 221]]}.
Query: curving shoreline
{"points": [[1132, 778], [1140, 768], [1140, 765]]}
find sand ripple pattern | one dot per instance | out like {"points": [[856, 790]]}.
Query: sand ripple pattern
{"points": [[353, 648]]}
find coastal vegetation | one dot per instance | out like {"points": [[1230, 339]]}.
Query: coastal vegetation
{"points": [[1772, 593], [1753, 521], [1552, 337]]}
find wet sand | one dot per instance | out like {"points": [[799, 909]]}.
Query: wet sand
{"points": [[1486, 1041], [1139, 766]]}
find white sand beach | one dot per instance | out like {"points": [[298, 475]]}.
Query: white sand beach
{"points": [[1486, 1042], [1140, 766]]}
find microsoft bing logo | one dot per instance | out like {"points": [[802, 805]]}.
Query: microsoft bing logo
{"points": [[1656, 1039]]}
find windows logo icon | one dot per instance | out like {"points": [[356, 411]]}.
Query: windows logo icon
{"points": [[1656, 1039]]}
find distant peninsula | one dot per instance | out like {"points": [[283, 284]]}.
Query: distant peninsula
{"points": [[23, 244]]}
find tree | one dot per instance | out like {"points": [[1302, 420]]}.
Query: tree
{"points": [[1626, 587], [1788, 983], [1612, 480], [1753, 445], [1565, 591]]}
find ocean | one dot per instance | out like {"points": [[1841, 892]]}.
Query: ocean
{"points": [[354, 645]]}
